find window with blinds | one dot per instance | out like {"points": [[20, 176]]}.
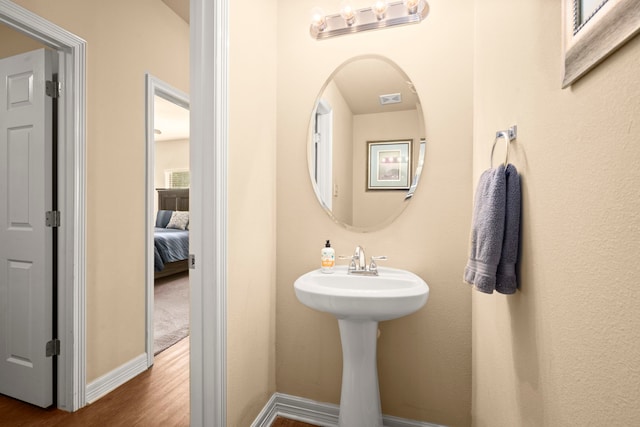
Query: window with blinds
{"points": [[176, 178]]}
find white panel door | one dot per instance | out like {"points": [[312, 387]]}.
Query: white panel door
{"points": [[324, 152], [26, 277]]}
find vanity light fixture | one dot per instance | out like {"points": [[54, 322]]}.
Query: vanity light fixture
{"points": [[347, 12], [379, 9], [411, 5], [318, 20], [382, 14]]}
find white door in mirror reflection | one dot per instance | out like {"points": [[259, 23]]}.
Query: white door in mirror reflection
{"points": [[323, 151]]}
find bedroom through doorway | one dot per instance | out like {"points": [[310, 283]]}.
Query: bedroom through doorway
{"points": [[168, 181]]}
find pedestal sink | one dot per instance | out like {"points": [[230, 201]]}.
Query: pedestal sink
{"points": [[360, 302]]}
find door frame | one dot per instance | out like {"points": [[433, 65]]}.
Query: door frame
{"points": [[153, 87], [71, 52], [208, 205]]}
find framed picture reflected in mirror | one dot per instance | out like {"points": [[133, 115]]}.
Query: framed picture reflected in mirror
{"points": [[389, 165]]}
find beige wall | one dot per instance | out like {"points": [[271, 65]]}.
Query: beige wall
{"points": [[371, 208], [172, 154], [14, 43], [424, 359], [124, 41], [251, 211], [565, 349]]}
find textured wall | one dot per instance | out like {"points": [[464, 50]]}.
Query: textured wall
{"points": [[425, 358], [252, 204], [564, 350]]}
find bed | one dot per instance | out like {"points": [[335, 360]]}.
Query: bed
{"points": [[171, 233]]}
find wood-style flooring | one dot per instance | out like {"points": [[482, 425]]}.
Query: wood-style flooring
{"points": [[157, 397], [284, 422]]}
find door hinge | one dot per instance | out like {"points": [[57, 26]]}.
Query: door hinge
{"points": [[53, 89], [53, 348], [192, 261], [52, 218]]}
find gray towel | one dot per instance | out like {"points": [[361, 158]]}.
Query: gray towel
{"points": [[487, 230], [506, 274]]}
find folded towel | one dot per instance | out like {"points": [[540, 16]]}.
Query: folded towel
{"points": [[487, 230], [506, 274]]}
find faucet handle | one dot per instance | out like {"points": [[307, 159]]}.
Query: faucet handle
{"points": [[352, 264], [373, 266]]}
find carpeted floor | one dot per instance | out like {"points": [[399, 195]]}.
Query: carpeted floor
{"points": [[170, 311]]}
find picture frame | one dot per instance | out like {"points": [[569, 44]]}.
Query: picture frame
{"points": [[389, 164], [593, 29]]}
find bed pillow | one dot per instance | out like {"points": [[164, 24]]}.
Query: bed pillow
{"points": [[179, 220], [162, 218]]}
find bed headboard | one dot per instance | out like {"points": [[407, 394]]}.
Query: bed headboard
{"points": [[173, 199]]}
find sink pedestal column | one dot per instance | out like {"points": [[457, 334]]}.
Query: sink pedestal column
{"points": [[360, 398]]}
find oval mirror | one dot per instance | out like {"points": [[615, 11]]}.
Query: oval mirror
{"points": [[366, 143]]}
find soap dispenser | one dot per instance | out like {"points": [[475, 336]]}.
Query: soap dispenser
{"points": [[328, 258]]}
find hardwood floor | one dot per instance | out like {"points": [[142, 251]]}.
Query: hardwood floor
{"points": [[157, 397], [284, 422]]}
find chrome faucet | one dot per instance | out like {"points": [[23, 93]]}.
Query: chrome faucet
{"points": [[359, 258], [358, 264]]}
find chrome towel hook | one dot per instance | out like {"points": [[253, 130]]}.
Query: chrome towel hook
{"points": [[508, 135]]}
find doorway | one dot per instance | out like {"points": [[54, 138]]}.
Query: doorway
{"points": [[209, 137], [167, 215], [69, 54]]}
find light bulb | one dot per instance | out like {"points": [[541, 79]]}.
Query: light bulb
{"points": [[318, 19], [347, 12], [379, 9], [411, 5]]}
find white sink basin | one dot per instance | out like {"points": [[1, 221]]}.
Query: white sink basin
{"points": [[359, 303], [393, 293]]}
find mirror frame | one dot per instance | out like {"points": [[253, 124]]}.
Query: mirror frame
{"points": [[416, 171], [613, 23]]}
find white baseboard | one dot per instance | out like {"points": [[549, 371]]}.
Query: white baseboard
{"points": [[114, 379], [321, 414]]}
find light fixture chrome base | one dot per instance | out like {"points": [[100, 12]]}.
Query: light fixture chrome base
{"points": [[366, 19]]}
